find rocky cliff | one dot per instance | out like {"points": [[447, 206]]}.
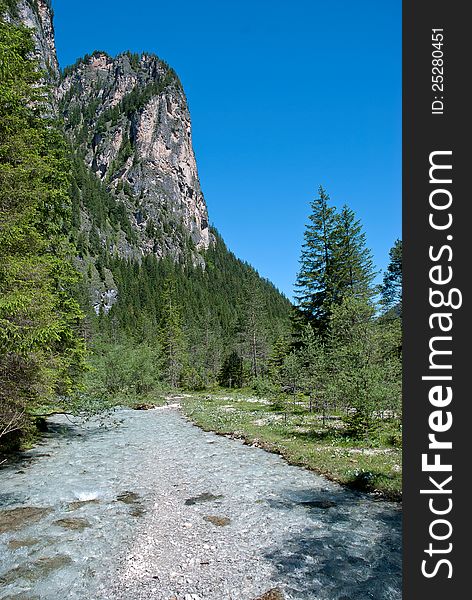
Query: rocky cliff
{"points": [[128, 124], [128, 119], [38, 16]]}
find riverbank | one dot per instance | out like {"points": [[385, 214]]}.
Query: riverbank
{"points": [[303, 439], [30, 432]]}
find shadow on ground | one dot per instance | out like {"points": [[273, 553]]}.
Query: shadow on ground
{"points": [[342, 554]]}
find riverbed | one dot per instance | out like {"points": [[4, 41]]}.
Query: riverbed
{"points": [[144, 505]]}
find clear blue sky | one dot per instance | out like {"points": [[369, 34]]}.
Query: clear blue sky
{"points": [[284, 96]]}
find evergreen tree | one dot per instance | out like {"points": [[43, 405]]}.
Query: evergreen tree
{"points": [[316, 373], [280, 350], [231, 374], [254, 326], [335, 262], [291, 373], [206, 348], [41, 353], [366, 365], [391, 289], [353, 264], [315, 284], [171, 336]]}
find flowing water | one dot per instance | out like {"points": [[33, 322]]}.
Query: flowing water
{"points": [[151, 507]]}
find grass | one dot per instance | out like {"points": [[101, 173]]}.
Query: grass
{"points": [[372, 465]]}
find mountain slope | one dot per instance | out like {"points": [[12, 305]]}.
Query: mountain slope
{"points": [[37, 15], [139, 220]]}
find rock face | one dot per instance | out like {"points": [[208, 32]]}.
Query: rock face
{"points": [[128, 117], [37, 15], [128, 123]]}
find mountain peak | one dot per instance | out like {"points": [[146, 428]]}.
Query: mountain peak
{"points": [[128, 118]]}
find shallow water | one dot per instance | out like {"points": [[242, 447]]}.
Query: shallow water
{"points": [[153, 508]]}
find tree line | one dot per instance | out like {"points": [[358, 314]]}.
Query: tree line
{"points": [[344, 350]]}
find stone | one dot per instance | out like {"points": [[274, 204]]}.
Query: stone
{"points": [[37, 570], [26, 543], [14, 519], [80, 503], [272, 594], [319, 504], [129, 498], [205, 497], [73, 523], [25, 596], [216, 520]]}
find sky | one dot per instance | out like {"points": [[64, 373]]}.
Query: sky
{"points": [[284, 97]]}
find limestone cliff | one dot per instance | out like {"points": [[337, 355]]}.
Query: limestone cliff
{"points": [[128, 118], [38, 16]]}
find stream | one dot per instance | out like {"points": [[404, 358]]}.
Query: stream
{"points": [[148, 506]]}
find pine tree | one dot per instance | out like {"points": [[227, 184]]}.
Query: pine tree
{"points": [[231, 374], [171, 336], [41, 353], [391, 290], [353, 264], [280, 350], [335, 262], [316, 288], [206, 349], [366, 364], [253, 325], [316, 369], [291, 375]]}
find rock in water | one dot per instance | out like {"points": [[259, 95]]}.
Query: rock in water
{"points": [[216, 520], [22, 516], [273, 594], [205, 497], [73, 523], [129, 498]]}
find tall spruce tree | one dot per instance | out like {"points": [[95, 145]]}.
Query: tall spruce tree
{"points": [[315, 284], [353, 265], [171, 336], [335, 262], [391, 288], [253, 332], [231, 373]]}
